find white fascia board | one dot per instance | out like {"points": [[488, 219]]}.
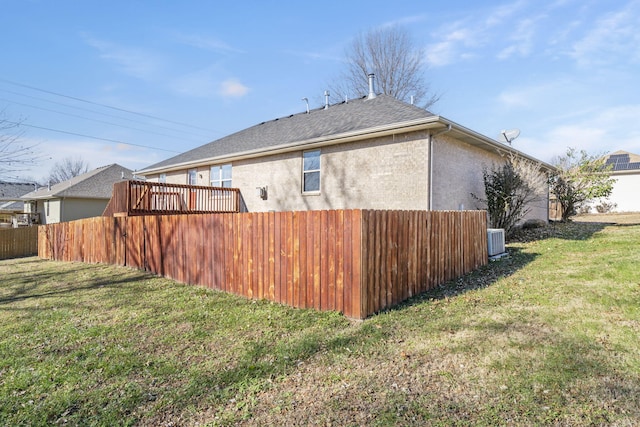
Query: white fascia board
{"points": [[493, 144], [375, 132]]}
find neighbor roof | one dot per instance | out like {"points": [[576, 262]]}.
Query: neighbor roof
{"points": [[623, 161], [10, 193], [95, 184], [348, 116]]}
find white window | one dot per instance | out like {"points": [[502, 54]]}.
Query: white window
{"points": [[221, 176], [162, 178], [311, 171], [192, 177]]}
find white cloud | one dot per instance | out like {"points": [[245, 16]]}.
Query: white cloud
{"points": [[614, 38], [412, 19], [233, 88], [465, 38], [606, 130], [530, 97], [133, 61], [207, 83], [450, 49], [522, 39], [501, 15], [206, 43], [201, 83]]}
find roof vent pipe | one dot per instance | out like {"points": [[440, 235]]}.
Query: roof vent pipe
{"points": [[372, 92], [326, 99], [306, 100]]}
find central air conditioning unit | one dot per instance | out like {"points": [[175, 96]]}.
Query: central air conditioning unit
{"points": [[495, 241]]}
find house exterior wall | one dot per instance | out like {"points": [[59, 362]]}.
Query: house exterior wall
{"points": [[626, 192], [82, 208], [50, 210], [59, 210], [383, 173], [389, 172], [458, 173]]}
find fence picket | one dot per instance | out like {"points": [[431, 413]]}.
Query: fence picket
{"points": [[357, 262]]}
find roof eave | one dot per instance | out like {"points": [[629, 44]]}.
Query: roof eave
{"points": [[431, 122], [474, 138]]}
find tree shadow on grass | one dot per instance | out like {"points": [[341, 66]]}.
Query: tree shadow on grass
{"points": [[559, 230], [42, 282]]}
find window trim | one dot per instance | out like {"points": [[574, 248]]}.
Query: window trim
{"points": [[319, 171], [195, 176], [220, 177]]}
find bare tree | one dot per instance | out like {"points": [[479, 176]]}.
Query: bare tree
{"points": [[15, 155], [66, 169], [398, 65]]}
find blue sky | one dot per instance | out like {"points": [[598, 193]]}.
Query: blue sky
{"points": [[565, 72]]}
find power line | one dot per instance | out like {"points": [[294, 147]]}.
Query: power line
{"points": [[90, 119], [103, 105], [91, 136], [100, 113]]}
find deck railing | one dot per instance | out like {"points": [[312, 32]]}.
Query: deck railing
{"points": [[153, 198]]}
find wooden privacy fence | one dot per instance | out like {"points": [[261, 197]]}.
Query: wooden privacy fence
{"points": [[18, 242], [357, 262]]}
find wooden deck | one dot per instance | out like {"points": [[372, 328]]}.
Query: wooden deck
{"points": [[132, 198]]}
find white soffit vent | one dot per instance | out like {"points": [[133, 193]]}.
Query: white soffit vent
{"points": [[495, 241]]}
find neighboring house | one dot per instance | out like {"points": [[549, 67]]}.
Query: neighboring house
{"points": [[625, 168], [84, 196], [370, 153], [11, 205]]}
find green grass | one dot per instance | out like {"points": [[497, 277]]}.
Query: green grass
{"points": [[547, 336]]}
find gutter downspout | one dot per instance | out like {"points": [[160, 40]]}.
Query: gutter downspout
{"points": [[430, 149]]}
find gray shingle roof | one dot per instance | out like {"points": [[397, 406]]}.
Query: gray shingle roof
{"points": [[357, 114], [10, 193], [95, 184]]}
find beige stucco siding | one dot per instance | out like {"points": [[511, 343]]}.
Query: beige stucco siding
{"points": [[385, 173], [458, 173], [390, 172]]}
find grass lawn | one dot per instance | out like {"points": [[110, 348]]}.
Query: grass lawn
{"points": [[546, 336]]}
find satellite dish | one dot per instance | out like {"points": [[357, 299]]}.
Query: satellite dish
{"points": [[509, 135]]}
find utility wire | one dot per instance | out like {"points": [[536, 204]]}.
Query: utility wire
{"points": [[91, 136], [102, 105], [100, 113], [90, 119]]}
